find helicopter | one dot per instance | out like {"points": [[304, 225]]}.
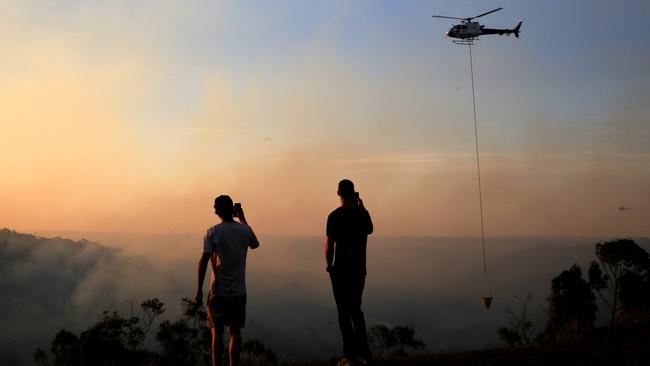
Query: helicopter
{"points": [[468, 31], [623, 208]]}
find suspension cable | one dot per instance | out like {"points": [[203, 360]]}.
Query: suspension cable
{"points": [[478, 160]]}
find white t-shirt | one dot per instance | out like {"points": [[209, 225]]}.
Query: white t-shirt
{"points": [[229, 242]]}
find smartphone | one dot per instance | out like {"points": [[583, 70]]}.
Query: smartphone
{"points": [[236, 209]]}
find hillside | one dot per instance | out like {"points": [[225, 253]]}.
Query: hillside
{"points": [[56, 283], [52, 283]]}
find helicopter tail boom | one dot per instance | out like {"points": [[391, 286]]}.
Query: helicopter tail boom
{"points": [[514, 30]]}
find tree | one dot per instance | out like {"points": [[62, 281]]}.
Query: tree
{"points": [[106, 341], [635, 291], [176, 339], [405, 338], [396, 340], [618, 276], [151, 309], [521, 330], [41, 358], [572, 307], [65, 348], [509, 336], [112, 340], [381, 339], [186, 341]]}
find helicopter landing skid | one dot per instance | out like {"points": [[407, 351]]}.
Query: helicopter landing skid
{"points": [[465, 41]]}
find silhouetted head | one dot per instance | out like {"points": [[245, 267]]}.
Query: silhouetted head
{"points": [[223, 207], [346, 191]]}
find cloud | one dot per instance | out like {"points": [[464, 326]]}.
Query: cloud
{"points": [[424, 160], [192, 131]]}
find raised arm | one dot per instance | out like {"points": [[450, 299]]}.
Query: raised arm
{"points": [[253, 243], [242, 217], [369, 226]]}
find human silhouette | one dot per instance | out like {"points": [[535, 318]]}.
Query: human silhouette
{"points": [[348, 228], [225, 246]]}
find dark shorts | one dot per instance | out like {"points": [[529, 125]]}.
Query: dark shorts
{"points": [[227, 311]]}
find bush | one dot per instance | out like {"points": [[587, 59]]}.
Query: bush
{"points": [[387, 341]]}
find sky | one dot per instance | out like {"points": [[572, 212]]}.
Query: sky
{"points": [[124, 116]]}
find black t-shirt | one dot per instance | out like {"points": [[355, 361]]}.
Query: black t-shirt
{"points": [[349, 227]]}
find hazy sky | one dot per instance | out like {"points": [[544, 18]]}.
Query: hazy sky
{"points": [[133, 116]]}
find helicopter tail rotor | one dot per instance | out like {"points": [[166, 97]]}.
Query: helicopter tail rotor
{"points": [[516, 30]]}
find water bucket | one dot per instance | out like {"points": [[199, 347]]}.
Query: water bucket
{"points": [[486, 301]]}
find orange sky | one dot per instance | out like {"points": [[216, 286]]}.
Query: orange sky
{"points": [[101, 131]]}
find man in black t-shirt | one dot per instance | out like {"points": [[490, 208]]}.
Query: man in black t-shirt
{"points": [[348, 228]]}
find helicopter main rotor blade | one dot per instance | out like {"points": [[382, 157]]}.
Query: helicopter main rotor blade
{"points": [[445, 17], [489, 12]]}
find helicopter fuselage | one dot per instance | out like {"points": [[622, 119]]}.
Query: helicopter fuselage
{"points": [[469, 30]]}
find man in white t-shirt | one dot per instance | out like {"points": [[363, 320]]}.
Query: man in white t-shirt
{"points": [[225, 246]]}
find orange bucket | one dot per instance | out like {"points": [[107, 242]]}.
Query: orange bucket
{"points": [[486, 301]]}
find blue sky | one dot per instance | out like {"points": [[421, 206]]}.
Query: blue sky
{"points": [[576, 61]]}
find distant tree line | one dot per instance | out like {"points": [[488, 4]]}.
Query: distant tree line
{"points": [[620, 278], [115, 340]]}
